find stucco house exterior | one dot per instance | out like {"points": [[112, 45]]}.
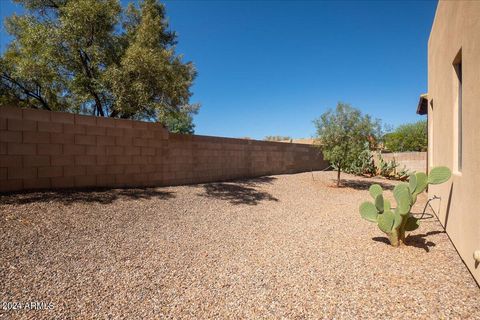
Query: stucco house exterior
{"points": [[453, 107]]}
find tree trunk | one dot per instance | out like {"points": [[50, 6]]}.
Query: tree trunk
{"points": [[338, 177]]}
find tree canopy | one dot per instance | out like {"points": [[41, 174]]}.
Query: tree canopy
{"points": [[95, 57], [408, 137], [343, 134]]}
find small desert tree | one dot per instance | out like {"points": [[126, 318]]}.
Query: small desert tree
{"points": [[343, 133]]}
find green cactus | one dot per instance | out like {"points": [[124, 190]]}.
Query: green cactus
{"points": [[386, 221], [411, 224], [368, 211], [403, 197], [439, 175], [412, 182], [375, 190], [386, 205], [395, 223], [379, 203], [422, 182]]}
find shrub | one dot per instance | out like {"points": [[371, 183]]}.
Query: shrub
{"points": [[408, 137]]}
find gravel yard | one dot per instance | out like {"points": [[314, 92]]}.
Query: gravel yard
{"points": [[280, 246]]}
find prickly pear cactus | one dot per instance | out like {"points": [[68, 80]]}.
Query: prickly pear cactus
{"points": [[394, 223]]}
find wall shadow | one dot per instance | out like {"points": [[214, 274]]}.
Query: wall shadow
{"points": [[362, 184], [97, 195], [239, 191], [449, 204]]}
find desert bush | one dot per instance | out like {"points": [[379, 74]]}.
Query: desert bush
{"points": [[407, 137]]}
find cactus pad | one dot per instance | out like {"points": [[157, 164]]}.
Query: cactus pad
{"points": [[386, 221], [414, 199], [368, 211], [412, 183], [402, 194], [375, 190], [379, 203], [398, 220], [439, 175], [412, 224], [386, 205], [422, 181]]}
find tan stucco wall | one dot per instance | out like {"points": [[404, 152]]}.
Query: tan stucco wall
{"points": [[456, 26]]}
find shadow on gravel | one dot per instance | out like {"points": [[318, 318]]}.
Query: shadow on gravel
{"points": [[420, 241], [103, 196], [240, 191], [381, 239], [362, 185], [417, 240]]}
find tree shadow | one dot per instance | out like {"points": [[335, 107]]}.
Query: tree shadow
{"points": [[95, 195], [417, 240], [254, 181], [240, 191], [363, 185]]}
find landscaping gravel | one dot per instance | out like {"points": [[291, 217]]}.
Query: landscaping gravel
{"points": [[288, 246]]}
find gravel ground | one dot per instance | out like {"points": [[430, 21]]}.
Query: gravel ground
{"points": [[275, 247]]}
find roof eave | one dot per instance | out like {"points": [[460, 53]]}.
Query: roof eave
{"points": [[422, 107]]}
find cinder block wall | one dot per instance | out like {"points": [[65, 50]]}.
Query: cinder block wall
{"points": [[413, 161], [43, 150]]}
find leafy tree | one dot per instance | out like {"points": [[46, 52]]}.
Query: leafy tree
{"points": [[181, 121], [408, 137], [95, 57], [343, 133], [277, 138]]}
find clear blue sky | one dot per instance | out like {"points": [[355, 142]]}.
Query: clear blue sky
{"points": [[270, 68]]}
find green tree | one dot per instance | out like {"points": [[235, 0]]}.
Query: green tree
{"points": [[343, 133], [180, 121], [408, 137], [95, 57]]}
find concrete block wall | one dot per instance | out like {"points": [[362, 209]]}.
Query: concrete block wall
{"points": [[413, 161], [47, 150]]}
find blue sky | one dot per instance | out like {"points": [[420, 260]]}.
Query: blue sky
{"points": [[270, 68]]}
